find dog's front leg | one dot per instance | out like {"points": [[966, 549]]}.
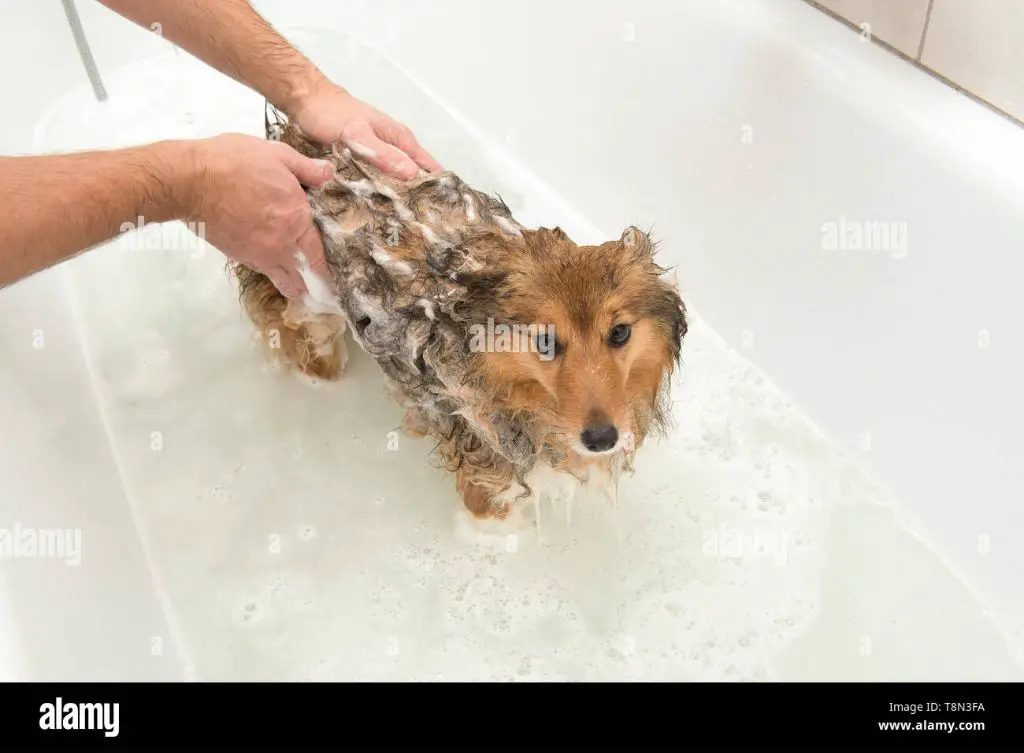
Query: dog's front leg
{"points": [[488, 486]]}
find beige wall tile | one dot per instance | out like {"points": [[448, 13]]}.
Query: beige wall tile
{"points": [[898, 22], [979, 44]]}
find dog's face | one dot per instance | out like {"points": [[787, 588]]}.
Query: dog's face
{"points": [[594, 332]]}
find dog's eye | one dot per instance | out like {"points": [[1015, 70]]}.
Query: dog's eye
{"points": [[619, 335]]}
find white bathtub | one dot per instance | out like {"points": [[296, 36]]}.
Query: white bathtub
{"points": [[217, 544]]}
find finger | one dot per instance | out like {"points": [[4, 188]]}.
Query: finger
{"points": [[309, 172], [360, 138], [406, 141], [289, 283], [312, 263]]}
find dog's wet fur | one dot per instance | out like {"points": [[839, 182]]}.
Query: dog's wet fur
{"points": [[422, 267]]}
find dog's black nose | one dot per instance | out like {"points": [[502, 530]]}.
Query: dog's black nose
{"points": [[599, 437]]}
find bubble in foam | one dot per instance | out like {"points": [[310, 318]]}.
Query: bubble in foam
{"points": [[248, 612]]}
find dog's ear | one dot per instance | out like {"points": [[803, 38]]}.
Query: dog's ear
{"points": [[665, 304], [637, 241], [543, 241]]}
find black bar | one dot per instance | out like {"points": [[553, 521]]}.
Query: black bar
{"points": [[506, 717]]}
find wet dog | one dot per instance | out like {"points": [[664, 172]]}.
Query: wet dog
{"points": [[530, 361]]}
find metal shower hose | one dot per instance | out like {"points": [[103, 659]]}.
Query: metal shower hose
{"points": [[83, 50]]}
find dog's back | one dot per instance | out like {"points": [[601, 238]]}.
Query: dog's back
{"points": [[411, 262]]}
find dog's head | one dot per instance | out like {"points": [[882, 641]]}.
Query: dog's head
{"points": [[583, 338]]}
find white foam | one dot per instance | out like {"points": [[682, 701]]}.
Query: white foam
{"points": [[385, 259], [362, 188], [332, 228], [506, 225], [403, 212], [428, 308], [428, 235], [318, 297]]}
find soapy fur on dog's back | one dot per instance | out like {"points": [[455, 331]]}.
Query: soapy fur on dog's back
{"points": [[415, 264]]}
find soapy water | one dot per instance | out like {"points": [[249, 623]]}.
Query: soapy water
{"points": [[300, 535]]}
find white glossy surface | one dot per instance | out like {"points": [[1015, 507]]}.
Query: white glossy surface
{"points": [[384, 590]]}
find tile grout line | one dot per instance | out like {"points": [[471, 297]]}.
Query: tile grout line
{"points": [[918, 64], [924, 30]]}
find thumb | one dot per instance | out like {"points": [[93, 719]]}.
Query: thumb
{"points": [[309, 172]]}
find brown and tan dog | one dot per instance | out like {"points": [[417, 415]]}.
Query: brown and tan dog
{"points": [[527, 358]]}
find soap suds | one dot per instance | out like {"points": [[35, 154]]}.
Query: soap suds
{"points": [[507, 225], [318, 296]]}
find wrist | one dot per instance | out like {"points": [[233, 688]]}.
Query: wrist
{"points": [[305, 90], [174, 172]]}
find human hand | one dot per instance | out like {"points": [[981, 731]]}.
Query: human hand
{"points": [[246, 191], [328, 114]]}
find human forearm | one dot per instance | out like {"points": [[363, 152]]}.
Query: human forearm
{"points": [[57, 206], [233, 38]]}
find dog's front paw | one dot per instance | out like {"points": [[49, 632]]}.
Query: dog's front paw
{"points": [[313, 343], [496, 521], [322, 362]]}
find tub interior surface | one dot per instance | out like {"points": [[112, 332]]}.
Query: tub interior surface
{"points": [[298, 535]]}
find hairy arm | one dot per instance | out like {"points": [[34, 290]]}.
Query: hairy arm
{"points": [[57, 206], [232, 37], [246, 192]]}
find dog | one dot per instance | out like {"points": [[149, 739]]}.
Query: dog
{"points": [[528, 359]]}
